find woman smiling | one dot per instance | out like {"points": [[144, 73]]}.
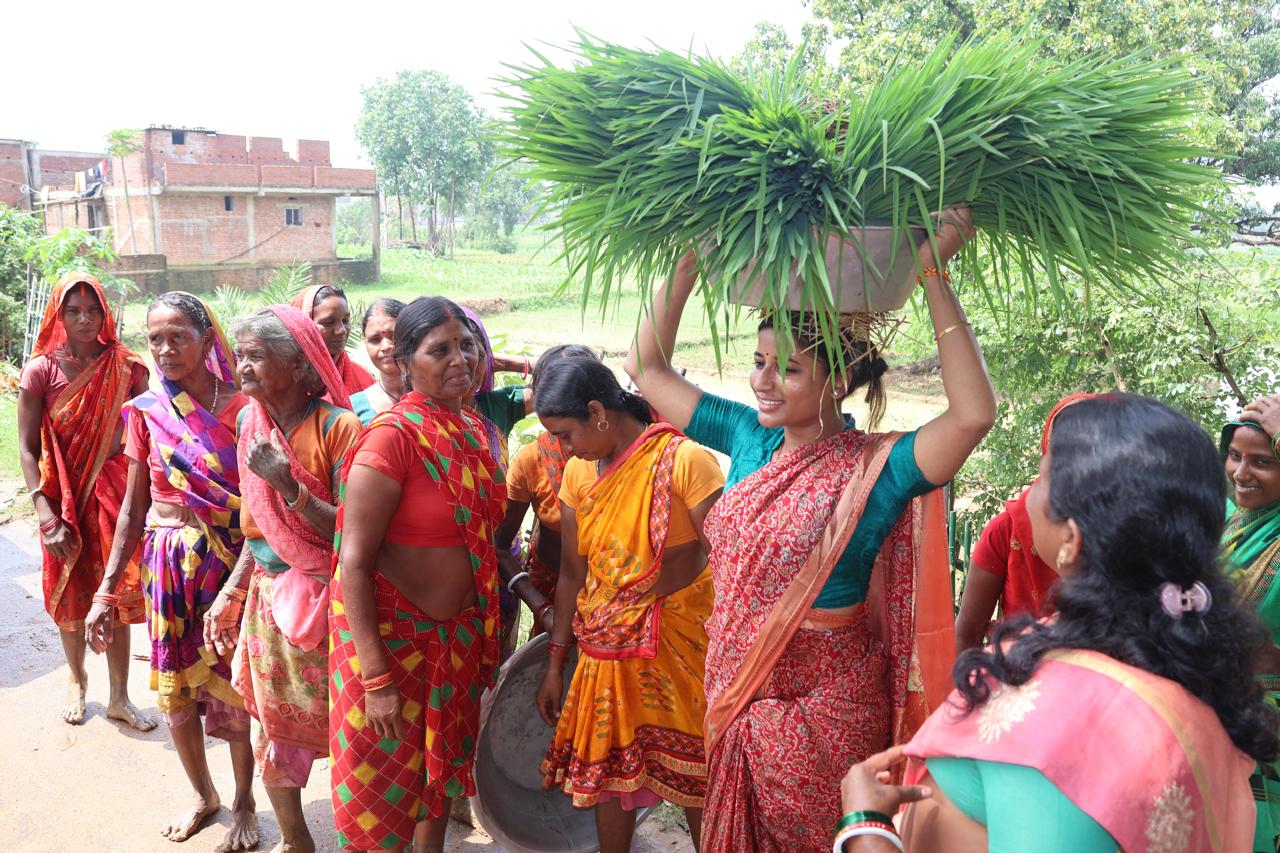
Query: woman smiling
{"points": [[415, 595]]}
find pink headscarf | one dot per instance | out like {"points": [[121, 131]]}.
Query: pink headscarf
{"points": [[300, 598]]}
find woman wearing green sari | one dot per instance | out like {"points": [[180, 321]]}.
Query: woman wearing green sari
{"points": [[1251, 546]]}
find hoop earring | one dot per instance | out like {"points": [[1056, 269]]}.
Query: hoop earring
{"points": [[602, 425]]}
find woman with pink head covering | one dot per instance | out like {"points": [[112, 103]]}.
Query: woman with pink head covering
{"points": [[293, 436]]}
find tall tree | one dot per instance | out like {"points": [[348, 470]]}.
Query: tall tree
{"points": [[1233, 47], [120, 144], [426, 138]]}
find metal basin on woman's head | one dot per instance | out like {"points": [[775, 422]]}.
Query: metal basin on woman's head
{"points": [[868, 269], [510, 802]]}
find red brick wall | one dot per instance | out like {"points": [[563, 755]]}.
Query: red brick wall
{"points": [[118, 214], [210, 175], [196, 229], [313, 240], [13, 175], [357, 179]]}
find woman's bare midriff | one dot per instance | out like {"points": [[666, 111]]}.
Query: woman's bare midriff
{"points": [[437, 581], [681, 565], [171, 515], [847, 610]]}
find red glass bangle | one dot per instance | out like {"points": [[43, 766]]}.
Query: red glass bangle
{"points": [[377, 682]]}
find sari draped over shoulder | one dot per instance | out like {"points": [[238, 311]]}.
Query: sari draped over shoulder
{"points": [[354, 377], [631, 724], [382, 788], [1138, 753], [82, 472], [798, 695], [186, 565], [279, 666]]}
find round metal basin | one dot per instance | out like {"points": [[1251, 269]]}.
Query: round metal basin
{"points": [[510, 802]]}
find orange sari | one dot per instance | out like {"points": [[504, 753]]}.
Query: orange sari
{"points": [[631, 725], [82, 471]]}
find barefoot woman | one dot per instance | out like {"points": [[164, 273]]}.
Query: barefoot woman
{"points": [[183, 504], [634, 590], [70, 430], [415, 608], [290, 450], [827, 629]]}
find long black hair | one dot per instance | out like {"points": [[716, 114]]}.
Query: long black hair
{"points": [[863, 365], [567, 385], [386, 306], [1145, 486], [418, 318]]}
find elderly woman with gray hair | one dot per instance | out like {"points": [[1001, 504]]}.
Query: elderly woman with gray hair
{"points": [[291, 445]]}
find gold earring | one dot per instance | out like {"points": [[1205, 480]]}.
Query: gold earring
{"points": [[1062, 557]]}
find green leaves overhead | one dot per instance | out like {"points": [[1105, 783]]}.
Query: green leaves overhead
{"points": [[646, 154]]}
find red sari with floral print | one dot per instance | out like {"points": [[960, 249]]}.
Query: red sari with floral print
{"points": [[797, 695]]}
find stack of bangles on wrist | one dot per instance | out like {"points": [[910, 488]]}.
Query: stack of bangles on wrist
{"points": [[50, 525], [858, 824], [933, 272], [235, 593], [559, 651], [106, 598], [377, 682], [304, 495]]}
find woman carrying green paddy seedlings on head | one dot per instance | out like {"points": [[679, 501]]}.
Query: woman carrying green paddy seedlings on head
{"points": [[827, 629], [1251, 546]]}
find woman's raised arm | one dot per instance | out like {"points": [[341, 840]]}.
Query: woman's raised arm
{"points": [[944, 443], [649, 362]]}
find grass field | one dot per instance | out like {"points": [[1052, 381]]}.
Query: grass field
{"points": [[523, 305]]}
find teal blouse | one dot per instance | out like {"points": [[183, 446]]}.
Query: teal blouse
{"points": [[1021, 809], [504, 406], [734, 429], [362, 407]]}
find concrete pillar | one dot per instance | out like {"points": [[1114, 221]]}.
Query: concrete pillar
{"points": [[376, 201]]}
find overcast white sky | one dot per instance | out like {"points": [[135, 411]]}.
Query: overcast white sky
{"points": [[294, 70]]}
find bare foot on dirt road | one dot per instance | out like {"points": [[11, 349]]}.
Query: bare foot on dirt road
{"points": [[283, 847], [243, 834], [185, 825], [73, 711], [128, 713]]}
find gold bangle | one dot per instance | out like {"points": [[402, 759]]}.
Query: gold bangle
{"points": [[933, 272], [938, 337], [304, 495]]}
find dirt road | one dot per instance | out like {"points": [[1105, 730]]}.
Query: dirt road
{"points": [[101, 786]]}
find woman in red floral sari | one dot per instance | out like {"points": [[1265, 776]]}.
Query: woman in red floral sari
{"points": [[832, 634], [70, 436]]}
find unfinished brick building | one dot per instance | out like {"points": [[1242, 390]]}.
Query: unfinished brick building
{"points": [[193, 209]]}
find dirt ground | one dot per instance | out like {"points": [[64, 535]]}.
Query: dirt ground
{"points": [[101, 786]]}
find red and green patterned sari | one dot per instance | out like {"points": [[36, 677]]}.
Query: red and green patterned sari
{"points": [[382, 788]]}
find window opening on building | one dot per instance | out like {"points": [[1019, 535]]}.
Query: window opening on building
{"points": [[226, 203], [293, 216], [179, 137]]}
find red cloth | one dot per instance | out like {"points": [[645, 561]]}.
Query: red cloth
{"points": [[424, 516], [794, 695], [1007, 546], [82, 472], [1006, 549], [354, 377]]}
